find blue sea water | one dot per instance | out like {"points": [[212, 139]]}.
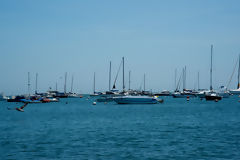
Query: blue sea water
{"points": [[76, 129]]}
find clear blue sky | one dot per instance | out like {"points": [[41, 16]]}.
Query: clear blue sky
{"points": [[81, 37]]}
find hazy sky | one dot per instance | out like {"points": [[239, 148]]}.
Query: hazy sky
{"points": [[82, 36]]}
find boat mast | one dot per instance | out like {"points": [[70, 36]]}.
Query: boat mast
{"points": [[175, 82], [123, 75], [65, 83], [72, 84], [144, 82], [185, 81], [94, 83], [114, 84], [110, 70], [183, 78], [211, 88], [238, 86], [28, 83], [36, 83], [198, 82], [178, 84], [129, 80]]}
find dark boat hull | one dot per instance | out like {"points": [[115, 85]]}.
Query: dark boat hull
{"points": [[13, 100], [212, 98], [16, 99], [135, 100]]}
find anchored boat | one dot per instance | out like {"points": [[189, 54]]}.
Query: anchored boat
{"points": [[237, 91], [135, 100], [212, 95]]}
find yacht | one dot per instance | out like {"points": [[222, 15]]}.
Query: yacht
{"points": [[163, 93], [2, 97], [223, 92], [135, 100], [237, 91], [202, 93], [212, 95]]}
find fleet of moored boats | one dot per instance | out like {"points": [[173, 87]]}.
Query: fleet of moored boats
{"points": [[130, 96], [126, 97]]}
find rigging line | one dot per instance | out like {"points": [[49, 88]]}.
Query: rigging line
{"points": [[117, 75], [140, 88], [232, 74], [179, 81]]}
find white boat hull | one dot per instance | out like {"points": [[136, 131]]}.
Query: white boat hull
{"points": [[182, 95], [235, 91]]}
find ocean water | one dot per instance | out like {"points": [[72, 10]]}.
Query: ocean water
{"points": [[76, 129]]}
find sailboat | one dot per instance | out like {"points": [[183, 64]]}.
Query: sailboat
{"points": [[112, 91], [135, 100], [177, 93], [128, 99], [237, 91], [2, 97], [185, 92], [71, 94], [94, 91], [223, 92], [200, 92], [108, 95], [212, 95], [57, 94]]}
